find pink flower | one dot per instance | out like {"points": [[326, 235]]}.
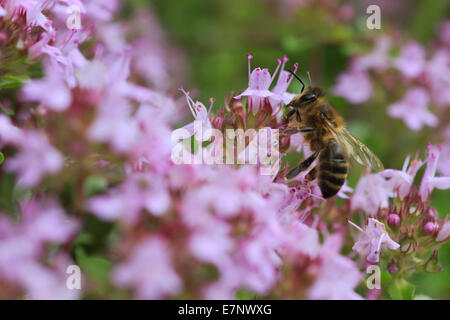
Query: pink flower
{"points": [[259, 81], [437, 73], [337, 276], [413, 109], [23, 244], [374, 237], [31, 10], [411, 61], [114, 124], [444, 232], [201, 115], [379, 58], [372, 192], [149, 271], [9, 133], [401, 181], [280, 89], [140, 191], [429, 181], [36, 158], [38, 90], [354, 86]]}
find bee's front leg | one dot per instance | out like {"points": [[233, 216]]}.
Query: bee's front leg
{"points": [[302, 166]]}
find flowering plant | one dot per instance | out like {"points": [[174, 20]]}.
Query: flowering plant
{"points": [[88, 130]]}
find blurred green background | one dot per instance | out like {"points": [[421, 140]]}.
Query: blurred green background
{"points": [[216, 36]]}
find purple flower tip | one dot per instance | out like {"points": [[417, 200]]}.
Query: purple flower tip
{"points": [[296, 65], [278, 61], [285, 59], [393, 220], [393, 268], [429, 228], [249, 56]]}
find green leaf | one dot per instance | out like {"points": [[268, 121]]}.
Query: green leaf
{"points": [[401, 290], [2, 157], [95, 185], [13, 81], [96, 268]]}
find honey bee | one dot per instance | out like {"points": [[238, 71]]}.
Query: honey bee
{"points": [[323, 128]]}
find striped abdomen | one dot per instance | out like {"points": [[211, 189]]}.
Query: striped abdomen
{"points": [[333, 166]]}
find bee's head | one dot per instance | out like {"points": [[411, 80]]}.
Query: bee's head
{"points": [[305, 96]]}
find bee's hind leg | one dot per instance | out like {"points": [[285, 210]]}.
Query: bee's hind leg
{"points": [[302, 166], [312, 174]]}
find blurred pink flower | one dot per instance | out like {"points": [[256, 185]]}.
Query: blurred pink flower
{"points": [[22, 245], [413, 109], [411, 61], [379, 58], [138, 192], [38, 90], [429, 181], [374, 237], [36, 158], [437, 73], [149, 271], [9, 133], [354, 86], [337, 270], [114, 123]]}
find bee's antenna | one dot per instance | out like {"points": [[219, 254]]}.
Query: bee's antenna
{"points": [[293, 73], [309, 77]]}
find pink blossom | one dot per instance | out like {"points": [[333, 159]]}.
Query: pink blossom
{"points": [[379, 58], [31, 10], [149, 271], [411, 61], [9, 133], [22, 245], [114, 124], [36, 158], [413, 109], [354, 86], [444, 232], [201, 115], [38, 90], [337, 276], [280, 89], [140, 191], [401, 181], [372, 192], [437, 72], [259, 81], [374, 237], [429, 181]]}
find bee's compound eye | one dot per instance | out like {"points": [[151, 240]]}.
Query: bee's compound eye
{"points": [[309, 97]]}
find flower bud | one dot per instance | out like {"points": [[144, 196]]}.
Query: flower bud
{"points": [[429, 228], [393, 220], [393, 268]]}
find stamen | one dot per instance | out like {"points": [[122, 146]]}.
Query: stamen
{"points": [[211, 101], [356, 226], [249, 57], [189, 101]]}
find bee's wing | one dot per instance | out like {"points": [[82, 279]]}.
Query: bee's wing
{"points": [[358, 150]]}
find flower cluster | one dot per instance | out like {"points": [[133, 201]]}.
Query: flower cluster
{"points": [[93, 183]]}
